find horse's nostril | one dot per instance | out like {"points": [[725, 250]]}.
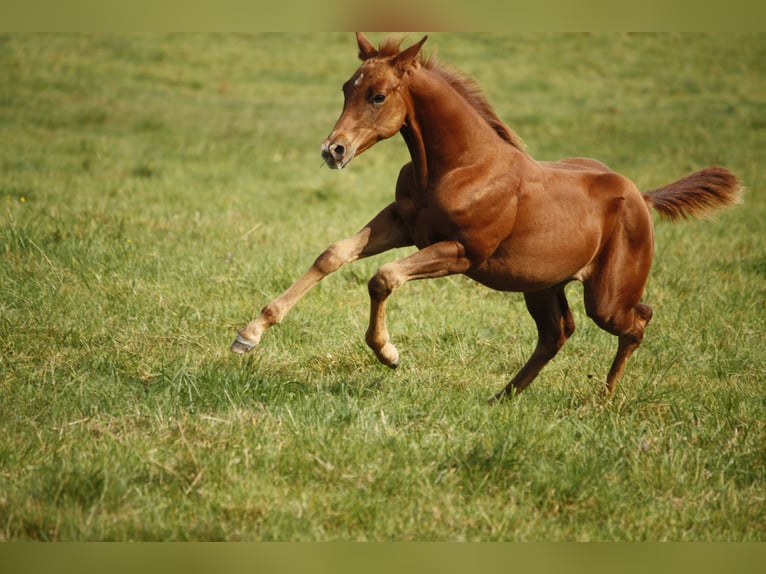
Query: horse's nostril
{"points": [[338, 150]]}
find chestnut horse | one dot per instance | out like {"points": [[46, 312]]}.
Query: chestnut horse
{"points": [[474, 202]]}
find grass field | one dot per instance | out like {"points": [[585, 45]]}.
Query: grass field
{"points": [[158, 190]]}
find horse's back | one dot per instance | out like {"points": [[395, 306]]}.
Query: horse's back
{"points": [[578, 164], [595, 179], [568, 212]]}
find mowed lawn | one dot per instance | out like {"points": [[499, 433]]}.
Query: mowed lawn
{"points": [[158, 190]]}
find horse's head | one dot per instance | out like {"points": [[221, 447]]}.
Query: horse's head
{"points": [[374, 107]]}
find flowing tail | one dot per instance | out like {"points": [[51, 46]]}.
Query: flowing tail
{"points": [[696, 195]]}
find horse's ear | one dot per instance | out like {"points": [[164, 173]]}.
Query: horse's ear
{"points": [[366, 49], [405, 58]]}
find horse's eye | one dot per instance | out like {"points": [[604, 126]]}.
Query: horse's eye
{"points": [[378, 98]]}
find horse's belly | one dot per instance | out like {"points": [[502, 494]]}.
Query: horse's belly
{"points": [[508, 280], [510, 269]]}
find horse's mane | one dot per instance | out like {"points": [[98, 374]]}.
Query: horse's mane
{"points": [[470, 91]]}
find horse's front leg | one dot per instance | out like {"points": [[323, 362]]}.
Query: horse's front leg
{"points": [[437, 260], [386, 231]]}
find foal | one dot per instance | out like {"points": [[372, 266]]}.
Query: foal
{"points": [[474, 202]]}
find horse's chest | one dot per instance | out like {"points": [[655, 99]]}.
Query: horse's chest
{"points": [[426, 231], [478, 224]]}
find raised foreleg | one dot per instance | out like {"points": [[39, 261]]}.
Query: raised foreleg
{"points": [[437, 260], [386, 231]]}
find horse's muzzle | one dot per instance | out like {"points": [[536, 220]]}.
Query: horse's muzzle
{"points": [[336, 155]]}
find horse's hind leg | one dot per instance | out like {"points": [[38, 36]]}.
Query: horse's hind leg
{"points": [[621, 315], [550, 310], [628, 342], [614, 287]]}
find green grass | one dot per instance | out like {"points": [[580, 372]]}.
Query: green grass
{"points": [[157, 190]]}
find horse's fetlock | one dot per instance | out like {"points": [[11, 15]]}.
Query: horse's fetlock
{"points": [[374, 341]]}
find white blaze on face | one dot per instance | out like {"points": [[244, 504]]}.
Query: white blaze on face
{"points": [[359, 79]]}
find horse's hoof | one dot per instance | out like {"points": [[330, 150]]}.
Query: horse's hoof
{"points": [[389, 356], [241, 345]]}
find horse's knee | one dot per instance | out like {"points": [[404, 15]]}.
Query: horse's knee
{"points": [[377, 288], [382, 283], [331, 259]]}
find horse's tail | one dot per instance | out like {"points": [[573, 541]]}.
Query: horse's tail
{"points": [[696, 195]]}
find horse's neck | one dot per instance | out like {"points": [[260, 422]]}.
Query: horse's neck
{"points": [[442, 130]]}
